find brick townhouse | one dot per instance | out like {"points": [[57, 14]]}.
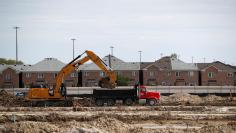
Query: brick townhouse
{"points": [[166, 71], [169, 71], [45, 72], [11, 76], [91, 74], [216, 74]]}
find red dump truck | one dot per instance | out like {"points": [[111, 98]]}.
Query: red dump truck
{"points": [[127, 96]]}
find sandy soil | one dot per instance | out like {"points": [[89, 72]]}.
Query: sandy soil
{"points": [[120, 119], [178, 113]]}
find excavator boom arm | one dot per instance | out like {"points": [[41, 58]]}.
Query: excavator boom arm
{"points": [[70, 67]]}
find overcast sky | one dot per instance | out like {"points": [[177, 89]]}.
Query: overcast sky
{"points": [[190, 28]]}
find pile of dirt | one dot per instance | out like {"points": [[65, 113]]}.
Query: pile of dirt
{"points": [[83, 102], [7, 99], [188, 99], [218, 129], [181, 99], [213, 98], [101, 124], [30, 127]]}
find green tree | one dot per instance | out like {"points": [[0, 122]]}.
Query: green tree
{"points": [[122, 81], [174, 55], [10, 61]]}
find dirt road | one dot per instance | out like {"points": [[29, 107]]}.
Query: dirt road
{"points": [[120, 119]]}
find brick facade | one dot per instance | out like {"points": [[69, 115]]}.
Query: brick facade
{"points": [[154, 75], [160, 72], [9, 78], [213, 76], [92, 77], [48, 78]]}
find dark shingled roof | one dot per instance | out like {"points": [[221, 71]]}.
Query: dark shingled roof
{"points": [[217, 64]]}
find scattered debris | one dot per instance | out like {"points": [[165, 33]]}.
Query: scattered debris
{"points": [[9, 100]]}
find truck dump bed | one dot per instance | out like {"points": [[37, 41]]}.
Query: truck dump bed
{"points": [[115, 94]]}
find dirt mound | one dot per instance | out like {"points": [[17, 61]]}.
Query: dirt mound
{"points": [[101, 124], [31, 127], [7, 99], [83, 102], [181, 98], [213, 98]]}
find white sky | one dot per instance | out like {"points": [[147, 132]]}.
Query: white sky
{"points": [[198, 28]]}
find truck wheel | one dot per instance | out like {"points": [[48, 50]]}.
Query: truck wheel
{"points": [[128, 101], [110, 102], [151, 102], [99, 102]]}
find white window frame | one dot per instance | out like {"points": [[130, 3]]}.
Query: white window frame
{"points": [[211, 75], [28, 75], [177, 74], [133, 73], [72, 75], [40, 75], [101, 74], [55, 75], [86, 74], [151, 73], [191, 74], [168, 73], [230, 74], [8, 76]]}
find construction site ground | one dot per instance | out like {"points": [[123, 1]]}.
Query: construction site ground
{"points": [[176, 113]]}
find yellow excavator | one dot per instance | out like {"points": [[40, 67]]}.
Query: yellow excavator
{"points": [[58, 93]]}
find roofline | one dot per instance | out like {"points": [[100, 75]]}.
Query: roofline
{"points": [[145, 68], [204, 69]]}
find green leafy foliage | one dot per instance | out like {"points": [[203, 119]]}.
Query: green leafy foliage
{"points": [[10, 61], [174, 55], [122, 81]]}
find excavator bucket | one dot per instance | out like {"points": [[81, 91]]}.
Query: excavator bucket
{"points": [[106, 83]]}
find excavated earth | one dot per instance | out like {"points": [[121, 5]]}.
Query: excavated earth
{"points": [[178, 113]]}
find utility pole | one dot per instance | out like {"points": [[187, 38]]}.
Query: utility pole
{"points": [[109, 56], [140, 56], [111, 50], [140, 71], [73, 39], [204, 59], [16, 44], [192, 59], [161, 55]]}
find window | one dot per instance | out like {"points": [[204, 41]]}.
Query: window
{"points": [[177, 74], [169, 74], [40, 75], [86, 74], [102, 74], [133, 73], [163, 83], [151, 74], [8, 76], [72, 75], [190, 74], [210, 74], [28, 75], [230, 74], [55, 75]]}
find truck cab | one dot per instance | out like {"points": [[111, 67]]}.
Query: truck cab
{"points": [[152, 98]]}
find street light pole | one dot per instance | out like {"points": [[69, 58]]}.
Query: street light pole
{"points": [[111, 50], [16, 44], [73, 39], [140, 57]]}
